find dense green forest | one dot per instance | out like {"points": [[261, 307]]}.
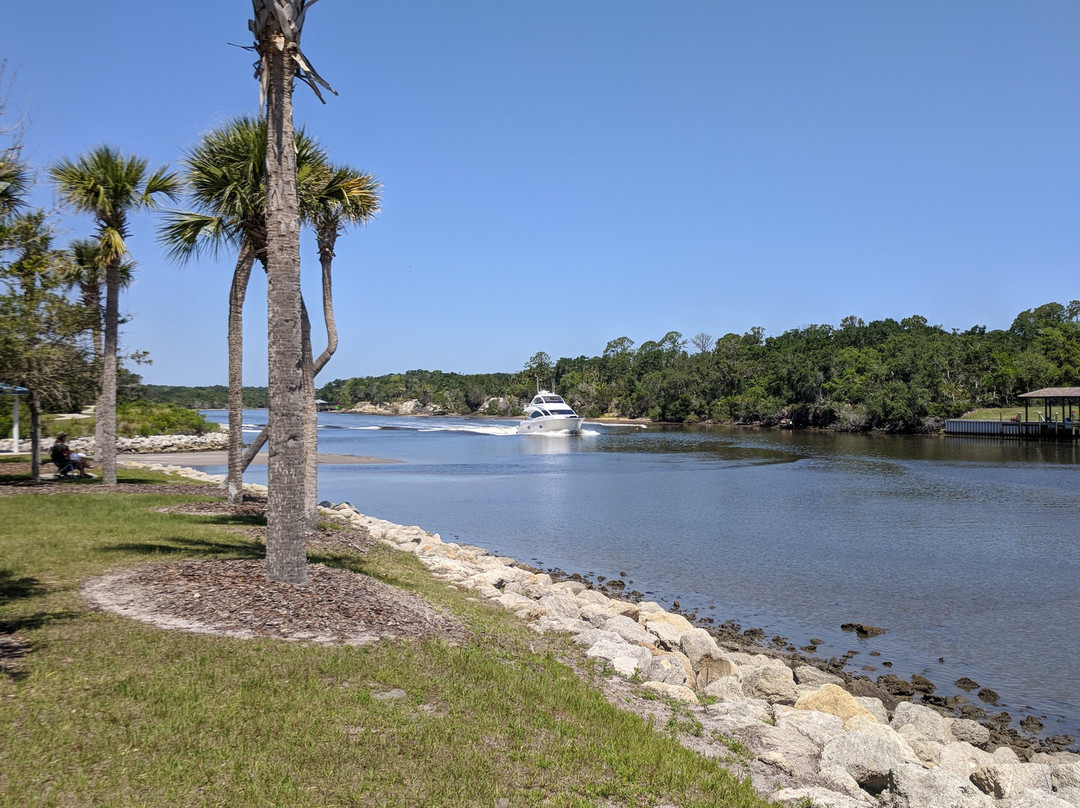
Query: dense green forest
{"points": [[886, 374], [213, 397], [893, 375]]}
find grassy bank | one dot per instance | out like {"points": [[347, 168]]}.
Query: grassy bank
{"points": [[103, 710]]}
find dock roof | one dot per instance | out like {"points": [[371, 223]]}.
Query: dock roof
{"points": [[1053, 392]]}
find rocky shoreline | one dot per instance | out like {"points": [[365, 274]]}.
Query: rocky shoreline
{"points": [[141, 445], [811, 735]]}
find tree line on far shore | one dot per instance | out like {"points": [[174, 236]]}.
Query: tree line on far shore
{"points": [[885, 374]]}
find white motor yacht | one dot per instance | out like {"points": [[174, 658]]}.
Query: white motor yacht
{"points": [[547, 412]]}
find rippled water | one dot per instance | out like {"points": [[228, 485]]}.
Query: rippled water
{"points": [[966, 550]]}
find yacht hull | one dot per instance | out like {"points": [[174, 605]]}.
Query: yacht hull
{"points": [[551, 423]]}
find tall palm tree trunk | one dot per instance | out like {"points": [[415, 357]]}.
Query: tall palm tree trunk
{"points": [[327, 242], [286, 530], [33, 402], [311, 429], [105, 433], [237, 292], [326, 259]]}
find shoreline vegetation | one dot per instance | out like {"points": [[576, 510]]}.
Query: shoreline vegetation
{"points": [[682, 686], [887, 375]]}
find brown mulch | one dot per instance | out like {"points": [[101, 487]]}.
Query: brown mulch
{"points": [[235, 598]]}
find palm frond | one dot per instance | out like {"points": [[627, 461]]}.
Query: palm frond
{"points": [[188, 235]]}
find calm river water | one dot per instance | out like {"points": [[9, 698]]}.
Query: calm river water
{"points": [[964, 550]]}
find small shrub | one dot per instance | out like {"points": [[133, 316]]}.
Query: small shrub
{"points": [[144, 418]]}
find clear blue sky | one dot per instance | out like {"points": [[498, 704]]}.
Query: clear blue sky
{"points": [[561, 174]]}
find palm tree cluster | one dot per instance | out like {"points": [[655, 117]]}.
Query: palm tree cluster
{"points": [[252, 184], [225, 176]]}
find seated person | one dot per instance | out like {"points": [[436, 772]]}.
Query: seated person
{"points": [[67, 460]]}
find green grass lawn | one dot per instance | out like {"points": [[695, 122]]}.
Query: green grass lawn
{"points": [[107, 711], [1008, 413]]}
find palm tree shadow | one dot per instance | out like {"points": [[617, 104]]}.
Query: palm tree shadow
{"points": [[230, 520], [12, 588], [188, 547], [14, 646]]}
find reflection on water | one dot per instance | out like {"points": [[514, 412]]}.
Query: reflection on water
{"points": [[965, 550]]}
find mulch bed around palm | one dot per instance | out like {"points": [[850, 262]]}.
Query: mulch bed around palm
{"points": [[235, 598]]}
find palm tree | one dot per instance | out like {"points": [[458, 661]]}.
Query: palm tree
{"points": [[348, 197], [340, 197], [109, 187], [277, 26], [85, 269], [226, 176]]}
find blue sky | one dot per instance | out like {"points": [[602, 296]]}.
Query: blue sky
{"points": [[561, 174]]}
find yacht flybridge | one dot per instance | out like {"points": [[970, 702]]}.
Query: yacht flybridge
{"points": [[547, 412]]}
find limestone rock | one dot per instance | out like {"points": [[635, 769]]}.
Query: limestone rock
{"points": [[867, 758], [559, 606], [912, 786], [1008, 780], [837, 779], [744, 712], [819, 796], [809, 675], [560, 625], [591, 596], [972, 732], [668, 627], [697, 644], [1036, 798], [680, 692], [628, 629], [916, 720], [1065, 775], [519, 605], [670, 668], [819, 727], [874, 707], [625, 658], [571, 588], [666, 635], [775, 684], [1069, 795], [962, 758], [834, 700], [727, 689], [713, 668]]}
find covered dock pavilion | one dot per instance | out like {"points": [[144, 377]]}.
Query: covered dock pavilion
{"points": [[1056, 410]]}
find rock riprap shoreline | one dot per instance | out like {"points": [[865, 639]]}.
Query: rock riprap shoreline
{"points": [[804, 737], [210, 441]]}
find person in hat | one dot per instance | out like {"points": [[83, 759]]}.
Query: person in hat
{"points": [[62, 456]]}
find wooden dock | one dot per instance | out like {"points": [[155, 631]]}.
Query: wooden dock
{"points": [[1025, 430]]}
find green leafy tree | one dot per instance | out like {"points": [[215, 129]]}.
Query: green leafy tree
{"points": [[44, 343]]}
